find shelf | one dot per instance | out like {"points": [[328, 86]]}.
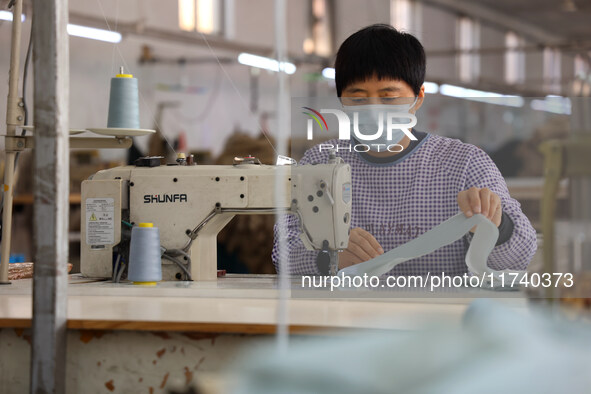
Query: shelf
{"points": [[27, 199]]}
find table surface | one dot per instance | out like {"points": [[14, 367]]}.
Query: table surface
{"points": [[243, 304]]}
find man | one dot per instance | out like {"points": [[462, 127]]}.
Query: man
{"points": [[400, 193]]}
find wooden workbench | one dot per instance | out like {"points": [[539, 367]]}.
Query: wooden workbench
{"points": [[149, 339]]}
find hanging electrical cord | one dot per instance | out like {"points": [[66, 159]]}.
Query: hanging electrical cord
{"points": [[116, 268], [26, 73], [170, 254], [206, 111], [180, 265], [233, 85], [121, 270]]}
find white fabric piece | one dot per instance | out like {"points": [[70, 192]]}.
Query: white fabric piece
{"points": [[454, 228]]}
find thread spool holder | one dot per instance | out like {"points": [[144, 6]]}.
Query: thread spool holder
{"points": [[16, 143]]}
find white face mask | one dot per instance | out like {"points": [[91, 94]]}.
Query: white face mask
{"points": [[371, 124]]}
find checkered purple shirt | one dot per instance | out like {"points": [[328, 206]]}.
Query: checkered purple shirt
{"points": [[399, 201]]}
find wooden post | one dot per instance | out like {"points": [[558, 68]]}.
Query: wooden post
{"points": [[51, 181]]}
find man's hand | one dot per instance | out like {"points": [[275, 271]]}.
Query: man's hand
{"points": [[362, 247], [476, 200]]}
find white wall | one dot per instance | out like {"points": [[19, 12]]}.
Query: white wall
{"points": [[93, 63]]}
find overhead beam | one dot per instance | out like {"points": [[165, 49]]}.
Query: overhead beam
{"points": [[504, 21], [571, 48], [181, 37], [529, 88], [51, 189]]}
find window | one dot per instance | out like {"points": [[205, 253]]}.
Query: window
{"points": [[579, 86], [514, 59], [405, 15], [204, 16], [468, 43], [187, 15], [319, 41], [580, 67], [552, 76]]}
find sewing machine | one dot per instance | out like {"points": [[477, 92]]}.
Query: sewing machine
{"points": [[191, 204]]}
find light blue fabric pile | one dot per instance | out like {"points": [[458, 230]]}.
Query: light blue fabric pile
{"points": [[498, 350]]}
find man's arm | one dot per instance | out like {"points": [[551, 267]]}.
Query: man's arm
{"points": [[514, 250], [299, 260]]}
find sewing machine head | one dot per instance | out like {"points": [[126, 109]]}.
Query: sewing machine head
{"points": [[191, 204]]}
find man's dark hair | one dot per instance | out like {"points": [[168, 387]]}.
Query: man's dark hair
{"points": [[383, 51]]}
